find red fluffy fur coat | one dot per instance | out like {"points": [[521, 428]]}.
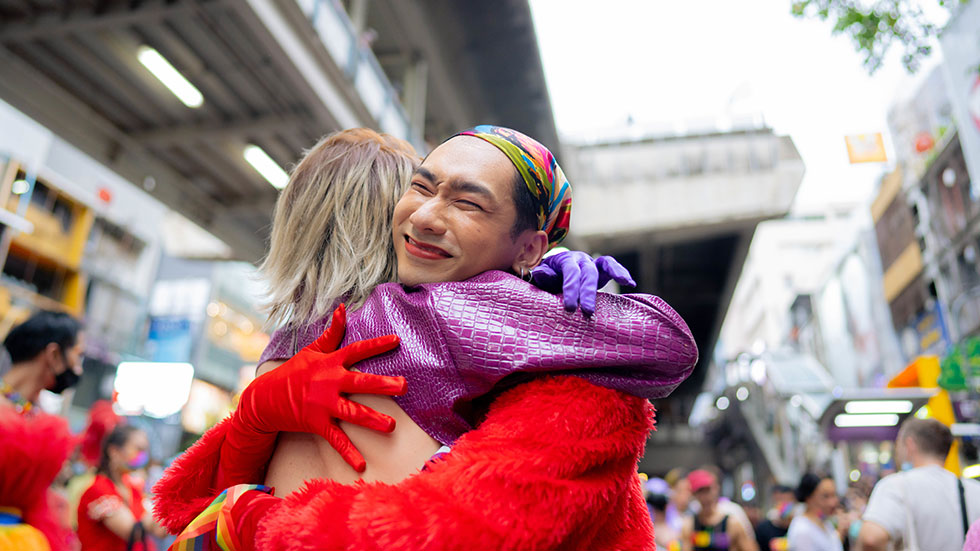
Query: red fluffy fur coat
{"points": [[552, 466], [32, 451]]}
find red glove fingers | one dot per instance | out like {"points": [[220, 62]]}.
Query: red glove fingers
{"points": [[339, 441], [331, 338], [366, 383], [350, 409], [362, 350], [307, 394]]}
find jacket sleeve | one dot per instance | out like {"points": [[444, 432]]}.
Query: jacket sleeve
{"points": [[192, 482], [553, 463]]}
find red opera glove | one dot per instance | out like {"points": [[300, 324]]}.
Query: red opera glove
{"points": [[305, 394]]}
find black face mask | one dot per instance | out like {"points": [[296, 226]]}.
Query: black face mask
{"points": [[65, 380]]}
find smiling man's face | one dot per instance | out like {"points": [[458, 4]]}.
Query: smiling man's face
{"points": [[456, 219]]}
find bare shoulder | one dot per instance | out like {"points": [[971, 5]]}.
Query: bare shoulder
{"points": [[268, 366]]}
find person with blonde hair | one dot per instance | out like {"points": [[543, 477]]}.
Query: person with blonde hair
{"points": [[326, 244], [540, 412]]}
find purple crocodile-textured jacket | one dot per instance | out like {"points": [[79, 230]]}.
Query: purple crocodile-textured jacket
{"points": [[460, 339]]}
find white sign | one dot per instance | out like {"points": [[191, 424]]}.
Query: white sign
{"points": [[961, 50], [156, 389]]}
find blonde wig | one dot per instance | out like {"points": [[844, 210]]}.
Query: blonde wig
{"points": [[331, 232]]}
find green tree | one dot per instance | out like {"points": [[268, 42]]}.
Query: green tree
{"points": [[876, 25]]}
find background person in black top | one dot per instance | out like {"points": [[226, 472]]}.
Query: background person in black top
{"points": [[776, 523]]}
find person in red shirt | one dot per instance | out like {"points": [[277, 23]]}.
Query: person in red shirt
{"points": [[111, 514], [45, 353]]}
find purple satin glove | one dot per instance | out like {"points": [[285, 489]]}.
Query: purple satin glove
{"points": [[579, 277]]}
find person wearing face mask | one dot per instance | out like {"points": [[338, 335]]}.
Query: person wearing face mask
{"points": [[111, 513], [813, 531], [45, 352]]}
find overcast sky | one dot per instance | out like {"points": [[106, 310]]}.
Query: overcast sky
{"points": [[663, 62]]}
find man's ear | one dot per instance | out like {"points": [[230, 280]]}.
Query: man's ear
{"points": [[51, 355], [911, 448], [533, 246], [52, 351]]}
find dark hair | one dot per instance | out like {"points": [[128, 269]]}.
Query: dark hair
{"points": [[526, 205], [116, 439], [808, 485], [932, 437], [30, 338], [658, 502], [781, 489]]}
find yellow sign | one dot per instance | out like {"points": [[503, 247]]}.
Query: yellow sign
{"points": [[866, 148], [923, 372]]}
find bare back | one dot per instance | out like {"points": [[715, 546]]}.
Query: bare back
{"points": [[390, 457]]}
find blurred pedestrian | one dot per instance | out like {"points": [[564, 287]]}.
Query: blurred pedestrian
{"points": [[657, 492], [33, 449], [111, 513], [855, 502], [973, 537], [752, 512], [101, 421], [813, 531], [46, 353], [770, 534], [925, 506], [667, 539], [727, 506], [680, 498], [710, 529]]}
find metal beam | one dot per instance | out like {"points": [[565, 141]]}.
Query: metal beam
{"points": [[216, 92], [416, 90], [120, 49], [256, 203], [51, 25], [322, 88], [209, 132], [458, 109], [359, 15], [49, 104], [89, 56]]}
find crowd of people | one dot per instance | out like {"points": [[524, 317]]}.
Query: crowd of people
{"points": [[442, 377], [923, 507], [59, 491]]}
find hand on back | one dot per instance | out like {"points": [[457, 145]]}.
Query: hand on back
{"points": [[308, 392]]}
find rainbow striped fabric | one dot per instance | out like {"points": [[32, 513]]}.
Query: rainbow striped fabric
{"points": [[540, 172], [212, 529]]}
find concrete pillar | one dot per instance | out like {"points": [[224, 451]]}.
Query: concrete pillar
{"points": [[416, 89], [358, 15], [647, 278]]}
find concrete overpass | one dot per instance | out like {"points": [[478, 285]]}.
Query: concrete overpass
{"points": [[680, 211], [276, 74]]}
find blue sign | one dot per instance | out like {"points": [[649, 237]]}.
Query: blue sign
{"points": [[930, 330], [169, 339]]}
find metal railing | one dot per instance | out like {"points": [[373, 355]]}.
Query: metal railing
{"points": [[361, 67]]}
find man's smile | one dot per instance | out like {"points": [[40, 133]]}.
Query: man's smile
{"points": [[423, 250]]}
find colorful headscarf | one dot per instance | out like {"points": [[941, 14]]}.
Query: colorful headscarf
{"points": [[540, 171]]}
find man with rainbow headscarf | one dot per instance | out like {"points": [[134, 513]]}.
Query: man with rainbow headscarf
{"points": [[542, 413]]}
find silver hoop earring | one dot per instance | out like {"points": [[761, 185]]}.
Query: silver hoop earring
{"points": [[529, 276]]}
